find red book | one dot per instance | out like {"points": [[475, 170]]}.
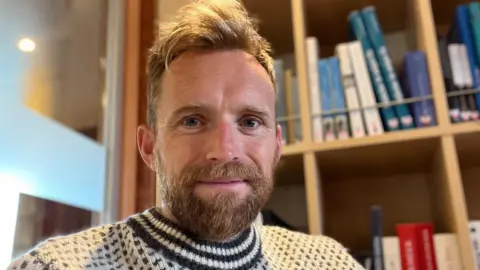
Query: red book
{"points": [[416, 246], [428, 260]]}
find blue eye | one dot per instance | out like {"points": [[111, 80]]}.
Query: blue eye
{"points": [[191, 122], [250, 122]]}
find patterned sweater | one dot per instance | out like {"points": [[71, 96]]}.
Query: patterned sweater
{"points": [[149, 241]]}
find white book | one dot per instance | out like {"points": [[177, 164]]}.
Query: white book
{"points": [[459, 77], [373, 122], [446, 251], [350, 89], [391, 253], [314, 88], [474, 227]]}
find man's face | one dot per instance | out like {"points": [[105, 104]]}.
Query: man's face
{"points": [[216, 144]]}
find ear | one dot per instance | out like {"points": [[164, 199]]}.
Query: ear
{"points": [[146, 145], [279, 142]]}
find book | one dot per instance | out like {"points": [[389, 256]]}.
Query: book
{"points": [[391, 253], [373, 122], [416, 82], [377, 234], [446, 251], [390, 120], [280, 99], [454, 53], [417, 250], [453, 101], [340, 121], [392, 84], [357, 127], [474, 226], [326, 97], [464, 30], [314, 90]]}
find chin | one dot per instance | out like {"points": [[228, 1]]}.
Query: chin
{"points": [[218, 196]]}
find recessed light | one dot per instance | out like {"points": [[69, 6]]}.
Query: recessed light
{"points": [[26, 45]]}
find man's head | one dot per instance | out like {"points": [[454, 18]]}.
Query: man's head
{"points": [[211, 134]]}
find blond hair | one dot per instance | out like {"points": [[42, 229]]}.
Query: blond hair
{"points": [[203, 25]]}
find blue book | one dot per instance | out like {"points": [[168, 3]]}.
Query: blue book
{"points": [[338, 99], [375, 35], [390, 120], [464, 28], [377, 235], [326, 98], [416, 82]]}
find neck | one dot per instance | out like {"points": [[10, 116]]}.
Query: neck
{"points": [[163, 234]]}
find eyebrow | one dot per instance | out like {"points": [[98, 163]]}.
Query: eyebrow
{"points": [[259, 110], [195, 107], [187, 109]]}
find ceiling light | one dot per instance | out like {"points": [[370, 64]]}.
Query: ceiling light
{"points": [[26, 45]]}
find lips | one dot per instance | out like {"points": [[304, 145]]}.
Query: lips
{"points": [[221, 181]]}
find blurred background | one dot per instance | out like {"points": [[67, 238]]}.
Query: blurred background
{"points": [[72, 93]]}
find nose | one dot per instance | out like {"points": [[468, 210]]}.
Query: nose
{"points": [[223, 144]]}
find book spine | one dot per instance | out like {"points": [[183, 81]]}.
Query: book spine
{"points": [[427, 247], [454, 52], [474, 10], [289, 105], [280, 103], [375, 34], [409, 246], [390, 120], [417, 84], [296, 110], [377, 234], [446, 251], [326, 97], [357, 127], [453, 102], [391, 253], [475, 238], [313, 81], [340, 118], [362, 80], [468, 83], [462, 19]]}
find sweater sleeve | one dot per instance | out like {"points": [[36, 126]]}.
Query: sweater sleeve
{"points": [[28, 261]]}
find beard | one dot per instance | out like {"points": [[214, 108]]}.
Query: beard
{"points": [[222, 215]]}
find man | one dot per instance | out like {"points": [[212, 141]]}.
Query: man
{"points": [[212, 139]]}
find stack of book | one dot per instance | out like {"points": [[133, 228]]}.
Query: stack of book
{"points": [[459, 51], [357, 92], [416, 246]]}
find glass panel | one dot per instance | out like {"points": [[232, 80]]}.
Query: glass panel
{"points": [[52, 81], [58, 57]]}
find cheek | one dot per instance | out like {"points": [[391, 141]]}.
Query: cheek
{"points": [[263, 153], [176, 152]]}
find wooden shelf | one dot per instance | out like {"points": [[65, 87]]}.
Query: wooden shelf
{"points": [[290, 171], [275, 23], [327, 19], [384, 139]]}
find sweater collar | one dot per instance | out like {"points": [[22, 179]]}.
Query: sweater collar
{"points": [[160, 234]]}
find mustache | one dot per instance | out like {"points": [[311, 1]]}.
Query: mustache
{"points": [[194, 173]]}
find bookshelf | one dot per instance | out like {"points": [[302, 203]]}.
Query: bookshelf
{"points": [[425, 174]]}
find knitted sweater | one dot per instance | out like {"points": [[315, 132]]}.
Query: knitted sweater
{"points": [[149, 241]]}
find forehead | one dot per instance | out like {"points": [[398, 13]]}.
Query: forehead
{"points": [[216, 77]]}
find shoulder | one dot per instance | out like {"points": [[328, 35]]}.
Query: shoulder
{"points": [[295, 249], [73, 251]]}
